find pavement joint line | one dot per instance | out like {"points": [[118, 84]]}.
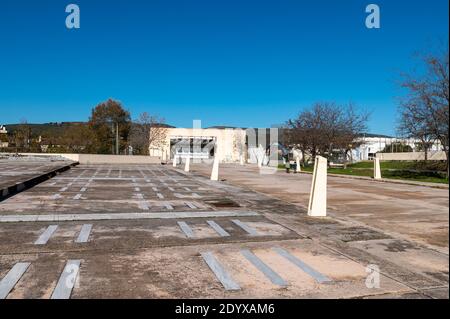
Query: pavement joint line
{"points": [[320, 278], [221, 274], [45, 236], [85, 232], [265, 269], [186, 229], [222, 232], [67, 280], [123, 216], [12, 278], [250, 230]]}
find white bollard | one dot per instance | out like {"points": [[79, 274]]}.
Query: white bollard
{"points": [[298, 169], [259, 160], [187, 165], [242, 159], [174, 164], [215, 169], [318, 197], [376, 169]]}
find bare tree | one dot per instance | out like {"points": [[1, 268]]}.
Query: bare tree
{"points": [[147, 131], [327, 128], [425, 109], [22, 136]]}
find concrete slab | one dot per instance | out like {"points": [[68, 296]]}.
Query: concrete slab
{"points": [[132, 252]]}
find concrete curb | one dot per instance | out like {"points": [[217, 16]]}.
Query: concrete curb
{"points": [[9, 191]]}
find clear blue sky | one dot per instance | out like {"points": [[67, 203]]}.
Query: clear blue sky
{"points": [[226, 62]]}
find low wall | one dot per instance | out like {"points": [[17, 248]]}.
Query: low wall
{"points": [[102, 159], [412, 156], [117, 159]]}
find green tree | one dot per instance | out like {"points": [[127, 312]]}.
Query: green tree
{"points": [[110, 124]]}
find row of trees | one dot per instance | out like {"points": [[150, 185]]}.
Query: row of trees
{"points": [[109, 130], [332, 130]]}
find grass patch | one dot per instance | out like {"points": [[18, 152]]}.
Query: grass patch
{"points": [[420, 171]]}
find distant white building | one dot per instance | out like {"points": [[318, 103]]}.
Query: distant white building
{"points": [[3, 136], [371, 144]]}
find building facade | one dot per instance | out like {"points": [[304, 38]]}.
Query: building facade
{"points": [[3, 137]]}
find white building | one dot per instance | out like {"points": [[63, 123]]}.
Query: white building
{"points": [[199, 143], [370, 144], [3, 136], [252, 145]]}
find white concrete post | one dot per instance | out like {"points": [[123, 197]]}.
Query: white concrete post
{"points": [[376, 169], [175, 159], [242, 159], [299, 169], [215, 169], [187, 165], [318, 197]]}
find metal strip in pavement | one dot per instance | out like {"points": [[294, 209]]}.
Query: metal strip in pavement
{"points": [[222, 232], [143, 206], [320, 278], [139, 196], [168, 206], [266, 270], [186, 229], [67, 280], [190, 205], [12, 278], [83, 237], [251, 231], [56, 196], [122, 216], [43, 239], [220, 273]]}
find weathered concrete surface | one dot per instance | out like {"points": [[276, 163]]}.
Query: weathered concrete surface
{"points": [[153, 258], [413, 212]]}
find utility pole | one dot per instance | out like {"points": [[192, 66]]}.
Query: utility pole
{"points": [[117, 138]]}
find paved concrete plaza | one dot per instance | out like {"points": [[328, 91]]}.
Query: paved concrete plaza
{"points": [[152, 231]]}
